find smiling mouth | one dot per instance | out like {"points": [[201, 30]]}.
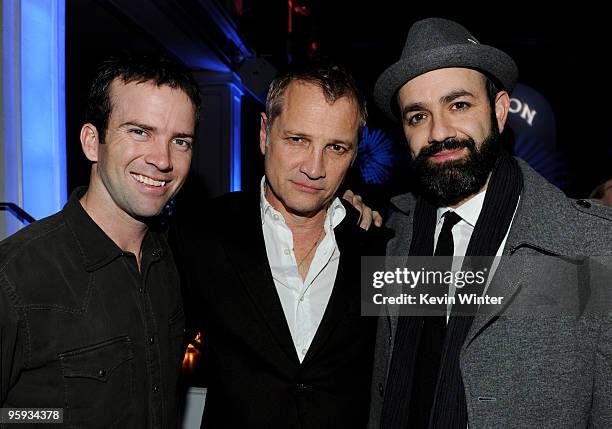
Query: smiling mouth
{"points": [[446, 153], [148, 180]]}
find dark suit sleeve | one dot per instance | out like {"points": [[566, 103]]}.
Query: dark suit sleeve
{"points": [[10, 351]]}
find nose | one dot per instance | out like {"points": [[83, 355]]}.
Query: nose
{"points": [[313, 164], [159, 155], [441, 129]]}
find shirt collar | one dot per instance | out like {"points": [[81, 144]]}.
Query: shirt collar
{"points": [[335, 212], [468, 211], [264, 204], [94, 245]]}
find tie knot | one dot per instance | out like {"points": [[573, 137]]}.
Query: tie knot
{"points": [[450, 219]]}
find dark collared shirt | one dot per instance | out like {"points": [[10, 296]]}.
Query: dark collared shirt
{"points": [[84, 330]]}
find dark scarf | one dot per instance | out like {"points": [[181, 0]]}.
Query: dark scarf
{"points": [[449, 408]]}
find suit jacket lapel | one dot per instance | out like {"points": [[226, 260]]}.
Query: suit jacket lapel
{"points": [[246, 248], [399, 246], [345, 295], [346, 284], [540, 222], [532, 227]]}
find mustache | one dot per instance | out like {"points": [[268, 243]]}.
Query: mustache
{"points": [[448, 144]]}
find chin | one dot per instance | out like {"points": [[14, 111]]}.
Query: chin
{"points": [[148, 212], [304, 209]]}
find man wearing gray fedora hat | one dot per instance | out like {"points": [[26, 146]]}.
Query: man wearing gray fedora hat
{"points": [[543, 356]]}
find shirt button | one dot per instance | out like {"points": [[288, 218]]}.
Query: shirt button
{"points": [[152, 340], [141, 289], [102, 373], [287, 252], [381, 389], [304, 351], [155, 388], [275, 217], [302, 298]]}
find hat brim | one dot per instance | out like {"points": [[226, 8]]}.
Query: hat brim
{"points": [[484, 58]]}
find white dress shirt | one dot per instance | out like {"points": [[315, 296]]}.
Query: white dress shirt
{"points": [[303, 302], [462, 232]]}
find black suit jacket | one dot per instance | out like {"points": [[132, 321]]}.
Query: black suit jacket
{"points": [[256, 378]]}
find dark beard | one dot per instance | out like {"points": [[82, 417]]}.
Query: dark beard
{"points": [[450, 182]]}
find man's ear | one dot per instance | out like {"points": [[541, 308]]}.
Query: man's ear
{"points": [[263, 133], [90, 141], [502, 107]]}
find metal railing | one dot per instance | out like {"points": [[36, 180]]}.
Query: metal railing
{"points": [[17, 211]]}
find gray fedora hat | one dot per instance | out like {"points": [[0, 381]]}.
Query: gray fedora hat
{"points": [[436, 43]]}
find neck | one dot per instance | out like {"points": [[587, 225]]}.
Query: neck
{"points": [[125, 231]]}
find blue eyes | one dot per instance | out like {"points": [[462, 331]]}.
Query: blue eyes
{"points": [[138, 132], [183, 144], [141, 135]]}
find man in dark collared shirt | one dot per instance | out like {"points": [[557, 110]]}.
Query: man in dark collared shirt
{"points": [[90, 305]]}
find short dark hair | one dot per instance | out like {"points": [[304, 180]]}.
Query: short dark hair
{"points": [[334, 81], [129, 67]]}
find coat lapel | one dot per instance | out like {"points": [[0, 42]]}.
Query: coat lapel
{"points": [[541, 223], [247, 251], [399, 246], [346, 287]]}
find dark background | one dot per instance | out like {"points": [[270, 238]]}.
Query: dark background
{"points": [[559, 53]]}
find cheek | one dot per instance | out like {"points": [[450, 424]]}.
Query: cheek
{"points": [[476, 126], [284, 158], [182, 163], [415, 140], [414, 146], [120, 155], [337, 169]]}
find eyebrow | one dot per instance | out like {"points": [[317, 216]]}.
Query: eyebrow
{"points": [[454, 95], [413, 107], [184, 136], [294, 133], [445, 99], [153, 129]]}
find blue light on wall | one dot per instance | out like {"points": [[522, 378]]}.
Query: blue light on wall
{"points": [[235, 149], [33, 74], [43, 106], [11, 170], [375, 156]]}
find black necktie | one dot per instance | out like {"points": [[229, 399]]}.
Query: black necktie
{"points": [[429, 352], [445, 246]]}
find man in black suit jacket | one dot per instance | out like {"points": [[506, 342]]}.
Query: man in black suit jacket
{"points": [[276, 288]]}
